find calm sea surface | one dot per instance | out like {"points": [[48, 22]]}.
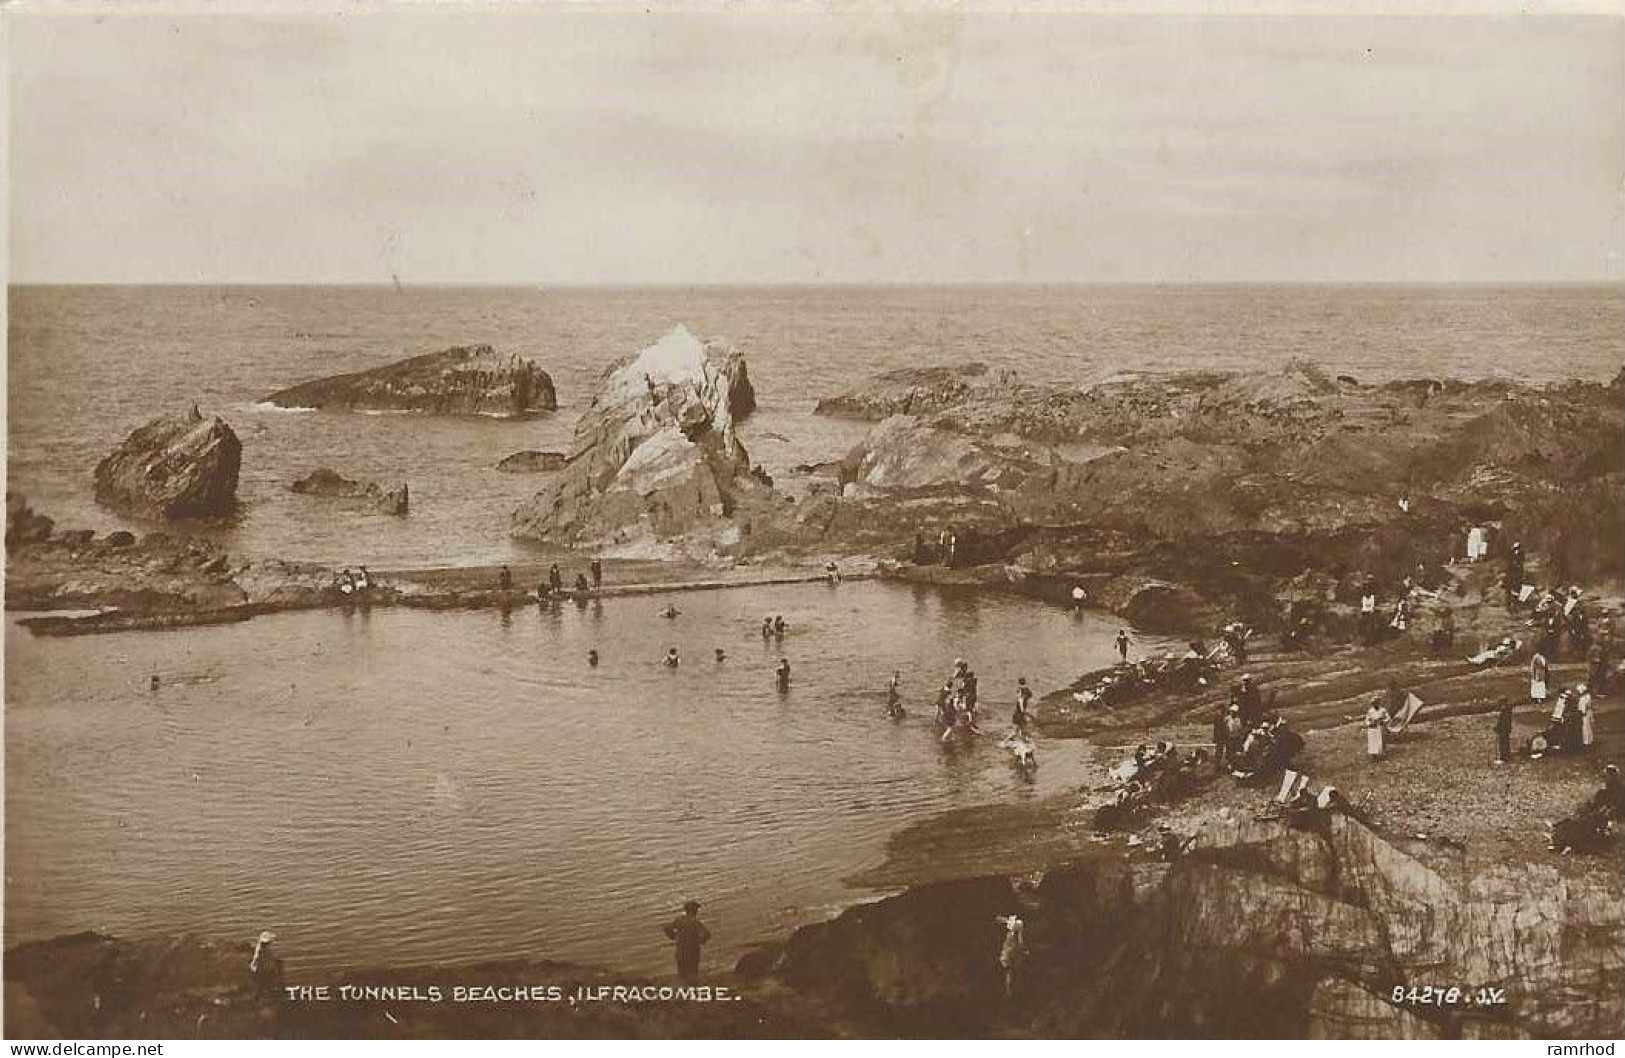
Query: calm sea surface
{"points": [[410, 786]]}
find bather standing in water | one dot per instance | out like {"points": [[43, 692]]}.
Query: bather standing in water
{"points": [[778, 627], [894, 696], [671, 660], [592, 658], [783, 674], [1023, 714], [504, 579]]}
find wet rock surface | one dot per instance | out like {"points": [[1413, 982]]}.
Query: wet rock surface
{"points": [[465, 380], [327, 482], [655, 455], [180, 466], [1228, 484], [532, 462]]}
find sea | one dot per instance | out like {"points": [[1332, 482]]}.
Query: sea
{"points": [[402, 787]]}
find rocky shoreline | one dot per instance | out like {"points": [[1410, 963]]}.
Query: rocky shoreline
{"points": [[1275, 498]]}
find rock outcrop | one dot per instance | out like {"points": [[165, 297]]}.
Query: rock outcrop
{"points": [[92, 985], [908, 391], [324, 481], [655, 455], [1231, 483], [1261, 931], [906, 452], [23, 524], [182, 466], [532, 462], [466, 380], [73, 569]]}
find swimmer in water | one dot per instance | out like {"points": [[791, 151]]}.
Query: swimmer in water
{"points": [[152, 684], [722, 655], [783, 673], [767, 628], [592, 658], [894, 696], [778, 627], [670, 612], [671, 661]]}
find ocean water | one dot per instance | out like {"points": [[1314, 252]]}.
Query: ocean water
{"points": [[87, 365], [408, 786]]}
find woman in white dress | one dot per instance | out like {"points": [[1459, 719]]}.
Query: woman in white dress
{"points": [[1582, 702], [1376, 723], [1537, 677]]}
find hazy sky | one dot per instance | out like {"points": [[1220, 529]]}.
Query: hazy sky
{"points": [[549, 145]]}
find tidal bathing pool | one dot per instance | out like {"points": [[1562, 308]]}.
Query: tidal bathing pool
{"points": [[402, 787]]}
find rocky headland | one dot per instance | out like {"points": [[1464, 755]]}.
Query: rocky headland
{"points": [[1226, 487], [176, 466], [466, 380]]}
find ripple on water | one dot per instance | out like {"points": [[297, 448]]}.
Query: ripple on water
{"points": [[409, 786]]}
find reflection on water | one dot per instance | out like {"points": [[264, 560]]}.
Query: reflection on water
{"points": [[405, 786]]}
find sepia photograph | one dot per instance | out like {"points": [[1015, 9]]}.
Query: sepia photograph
{"points": [[919, 520]]}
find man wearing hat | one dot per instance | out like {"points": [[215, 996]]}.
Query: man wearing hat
{"points": [[689, 933]]}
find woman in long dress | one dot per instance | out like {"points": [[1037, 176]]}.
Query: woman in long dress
{"points": [[1582, 702], [1376, 722], [1537, 677]]}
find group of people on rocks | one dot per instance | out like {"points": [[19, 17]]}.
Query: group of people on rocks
{"points": [[1154, 774], [952, 547], [1591, 827], [352, 584], [1188, 669], [553, 586]]}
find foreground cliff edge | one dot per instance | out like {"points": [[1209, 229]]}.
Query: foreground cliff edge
{"points": [[1261, 931]]}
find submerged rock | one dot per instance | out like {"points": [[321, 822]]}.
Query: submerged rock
{"points": [[532, 462], [466, 380], [324, 481], [655, 454], [182, 466]]}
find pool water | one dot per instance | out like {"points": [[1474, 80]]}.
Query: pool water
{"points": [[408, 787]]}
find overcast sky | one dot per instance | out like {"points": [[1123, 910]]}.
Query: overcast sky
{"points": [[605, 146]]}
